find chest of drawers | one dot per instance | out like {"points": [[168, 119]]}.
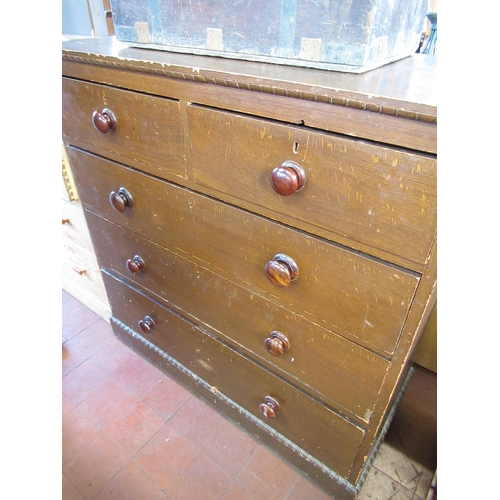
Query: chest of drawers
{"points": [[266, 235]]}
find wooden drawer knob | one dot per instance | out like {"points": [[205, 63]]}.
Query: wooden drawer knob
{"points": [[288, 178], [104, 121], [277, 343], [135, 265], [281, 270], [146, 324], [269, 407], [121, 200]]}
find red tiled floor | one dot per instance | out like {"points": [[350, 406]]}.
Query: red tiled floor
{"points": [[134, 428], [107, 403], [200, 478], [303, 489], [95, 465], [131, 432], [93, 338], [266, 476], [77, 432], [114, 357], [195, 421], [229, 448], [69, 490], [165, 443], [130, 484], [138, 376], [76, 320], [81, 382], [165, 398]]}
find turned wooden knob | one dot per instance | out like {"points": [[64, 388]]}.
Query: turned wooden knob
{"points": [[277, 343], [281, 270], [288, 178], [121, 200], [104, 121], [136, 264], [146, 324], [269, 407]]}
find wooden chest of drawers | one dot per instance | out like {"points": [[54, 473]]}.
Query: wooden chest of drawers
{"points": [[266, 235]]}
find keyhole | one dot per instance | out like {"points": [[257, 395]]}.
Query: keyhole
{"points": [[295, 147]]}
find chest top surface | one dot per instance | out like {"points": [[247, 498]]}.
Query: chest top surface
{"points": [[407, 85]]}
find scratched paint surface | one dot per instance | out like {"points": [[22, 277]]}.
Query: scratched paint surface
{"points": [[351, 294], [367, 193]]}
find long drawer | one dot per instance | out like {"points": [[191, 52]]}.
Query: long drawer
{"points": [[149, 130], [371, 194], [336, 370], [356, 296], [312, 426]]}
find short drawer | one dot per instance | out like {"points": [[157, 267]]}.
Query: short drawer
{"points": [[371, 194], [347, 292], [325, 434], [335, 369], [149, 131]]}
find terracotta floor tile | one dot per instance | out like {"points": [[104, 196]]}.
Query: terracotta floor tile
{"points": [[267, 477], [195, 421], [68, 303], [236, 492], [107, 403], [165, 398], [138, 376], [133, 428], [130, 484], [77, 431], [304, 489], [71, 357], [93, 338], [229, 448], [81, 382], [164, 496], [95, 465], [77, 320], [200, 479], [67, 405], [69, 490], [114, 357], [164, 456]]}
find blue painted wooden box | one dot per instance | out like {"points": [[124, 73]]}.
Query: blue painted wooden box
{"points": [[342, 35]]}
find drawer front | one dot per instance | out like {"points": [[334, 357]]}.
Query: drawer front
{"points": [[370, 194], [312, 426], [338, 371], [149, 130], [346, 292]]}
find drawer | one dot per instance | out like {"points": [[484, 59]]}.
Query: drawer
{"points": [[371, 194], [149, 130], [325, 434], [351, 294], [335, 369]]}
